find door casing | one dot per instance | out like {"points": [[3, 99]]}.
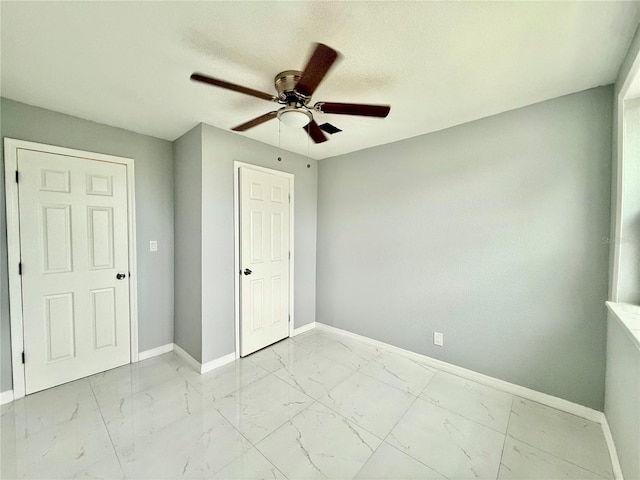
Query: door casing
{"points": [[236, 243], [11, 147]]}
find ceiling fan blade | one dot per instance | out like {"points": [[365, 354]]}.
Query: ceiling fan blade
{"points": [[256, 121], [317, 67], [353, 109], [198, 77], [315, 133]]}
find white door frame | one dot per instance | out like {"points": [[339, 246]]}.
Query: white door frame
{"points": [[11, 147], [236, 243]]}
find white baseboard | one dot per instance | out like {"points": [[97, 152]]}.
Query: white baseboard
{"points": [[206, 367], [218, 362], [186, 357], [304, 328], [6, 397], [615, 463], [523, 392], [154, 352]]}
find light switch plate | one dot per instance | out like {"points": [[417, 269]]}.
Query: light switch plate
{"points": [[153, 246]]}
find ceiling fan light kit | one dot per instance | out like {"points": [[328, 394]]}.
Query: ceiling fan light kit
{"points": [[295, 88], [295, 117]]}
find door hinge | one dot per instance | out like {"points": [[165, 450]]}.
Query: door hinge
{"points": [[289, 195], [20, 268], [289, 318], [22, 357], [17, 176], [289, 255]]}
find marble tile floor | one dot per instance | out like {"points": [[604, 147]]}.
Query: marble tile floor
{"points": [[316, 406]]}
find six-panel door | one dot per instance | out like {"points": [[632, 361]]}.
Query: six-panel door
{"points": [[74, 242], [264, 259]]}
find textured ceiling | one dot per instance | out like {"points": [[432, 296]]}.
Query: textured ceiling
{"points": [[437, 64]]}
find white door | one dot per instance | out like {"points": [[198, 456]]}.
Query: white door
{"points": [[264, 259], [75, 267]]}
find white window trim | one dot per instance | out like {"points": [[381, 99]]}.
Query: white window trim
{"points": [[620, 157], [236, 243], [11, 147]]}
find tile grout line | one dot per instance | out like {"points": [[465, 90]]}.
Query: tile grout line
{"points": [[104, 423], [353, 372], [384, 440], [432, 369], [511, 410], [336, 413], [192, 386], [271, 463], [463, 416], [555, 456], [504, 442], [398, 388], [513, 398], [416, 397], [203, 395], [212, 405], [279, 425], [255, 445], [246, 451]]}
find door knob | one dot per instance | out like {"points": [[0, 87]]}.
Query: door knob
{"points": [[120, 275], [247, 271]]}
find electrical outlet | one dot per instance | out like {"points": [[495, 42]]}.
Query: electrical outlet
{"points": [[438, 339], [153, 246]]}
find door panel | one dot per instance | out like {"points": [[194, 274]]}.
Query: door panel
{"points": [[257, 305], [276, 299], [256, 237], [55, 180], [264, 251], [73, 241], [276, 237], [56, 238], [100, 237], [103, 315], [60, 326]]}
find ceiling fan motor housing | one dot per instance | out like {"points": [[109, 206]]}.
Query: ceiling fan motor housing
{"points": [[285, 83]]}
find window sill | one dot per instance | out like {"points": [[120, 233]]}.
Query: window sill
{"points": [[629, 316]]}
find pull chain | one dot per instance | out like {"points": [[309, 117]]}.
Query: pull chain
{"points": [[308, 139]]}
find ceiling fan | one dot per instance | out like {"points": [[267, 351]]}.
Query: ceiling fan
{"points": [[295, 89]]}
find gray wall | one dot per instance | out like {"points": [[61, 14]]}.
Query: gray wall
{"points": [[622, 397], [154, 212], [187, 158], [490, 232], [219, 150]]}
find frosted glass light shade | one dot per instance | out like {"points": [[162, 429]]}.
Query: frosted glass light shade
{"points": [[294, 118]]}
